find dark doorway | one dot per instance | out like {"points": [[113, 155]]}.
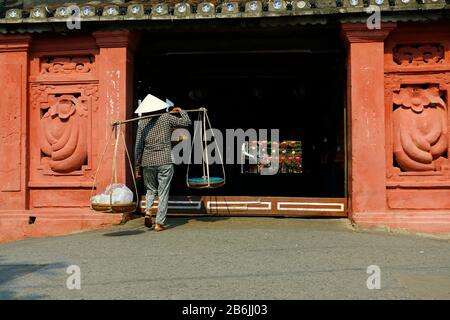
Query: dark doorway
{"points": [[286, 78]]}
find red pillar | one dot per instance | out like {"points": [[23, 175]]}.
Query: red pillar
{"points": [[367, 160], [13, 121], [116, 65]]}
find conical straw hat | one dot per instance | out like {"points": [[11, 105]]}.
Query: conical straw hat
{"points": [[151, 104]]}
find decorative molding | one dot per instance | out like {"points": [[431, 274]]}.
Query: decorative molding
{"points": [[254, 206], [416, 55], [359, 33], [176, 205], [67, 65], [117, 39], [239, 205], [311, 206], [14, 43]]}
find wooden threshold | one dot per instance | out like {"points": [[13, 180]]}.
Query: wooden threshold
{"points": [[254, 206]]}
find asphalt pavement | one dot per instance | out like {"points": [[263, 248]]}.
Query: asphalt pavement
{"points": [[228, 258]]}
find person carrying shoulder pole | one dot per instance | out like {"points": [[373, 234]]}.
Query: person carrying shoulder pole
{"points": [[153, 153]]}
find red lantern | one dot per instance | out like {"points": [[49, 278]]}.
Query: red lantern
{"points": [[293, 142], [284, 144], [297, 159]]}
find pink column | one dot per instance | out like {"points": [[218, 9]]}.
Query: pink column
{"points": [[116, 64], [13, 121], [367, 159]]}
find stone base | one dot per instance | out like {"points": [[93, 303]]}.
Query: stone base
{"points": [[18, 225], [433, 222]]}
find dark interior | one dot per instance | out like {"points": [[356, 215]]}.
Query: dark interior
{"points": [[289, 78]]}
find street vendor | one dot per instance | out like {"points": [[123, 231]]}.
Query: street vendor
{"points": [[153, 154]]}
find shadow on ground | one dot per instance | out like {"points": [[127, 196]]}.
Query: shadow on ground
{"points": [[179, 221], [10, 272], [124, 233], [174, 222]]}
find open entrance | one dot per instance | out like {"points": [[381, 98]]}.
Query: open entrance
{"points": [[289, 78]]}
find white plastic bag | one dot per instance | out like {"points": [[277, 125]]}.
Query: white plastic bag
{"points": [[120, 193], [100, 199]]}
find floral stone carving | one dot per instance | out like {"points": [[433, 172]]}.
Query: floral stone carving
{"points": [[67, 65], [63, 134], [420, 128], [418, 55]]}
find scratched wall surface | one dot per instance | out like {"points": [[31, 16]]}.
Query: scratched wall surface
{"points": [[10, 127]]}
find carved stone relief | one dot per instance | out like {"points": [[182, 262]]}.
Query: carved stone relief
{"points": [[420, 128], [416, 55], [67, 65], [63, 132]]}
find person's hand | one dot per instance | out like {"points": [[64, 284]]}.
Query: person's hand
{"points": [[137, 174], [176, 109]]}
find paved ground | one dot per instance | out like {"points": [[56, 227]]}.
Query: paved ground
{"points": [[238, 258]]}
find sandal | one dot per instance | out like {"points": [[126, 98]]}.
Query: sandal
{"points": [[159, 227], [148, 221]]}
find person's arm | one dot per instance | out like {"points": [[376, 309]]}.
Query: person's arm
{"points": [[177, 122], [139, 148]]}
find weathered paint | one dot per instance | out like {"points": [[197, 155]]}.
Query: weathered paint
{"points": [[381, 192], [36, 78]]}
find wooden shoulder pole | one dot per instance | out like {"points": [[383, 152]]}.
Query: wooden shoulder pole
{"points": [[120, 122]]}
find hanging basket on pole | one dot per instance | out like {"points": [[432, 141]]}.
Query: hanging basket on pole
{"points": [[117, 198], [206, 180]]}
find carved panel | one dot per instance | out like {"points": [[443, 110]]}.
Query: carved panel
{"points": [[416, 55], [420, 128], [67, 65], [63, 133]]}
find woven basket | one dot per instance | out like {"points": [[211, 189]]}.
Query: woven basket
{"points": [[115, 208]]}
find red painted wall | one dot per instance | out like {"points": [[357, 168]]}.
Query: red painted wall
{"points": [[398, 116], [61, 95]]}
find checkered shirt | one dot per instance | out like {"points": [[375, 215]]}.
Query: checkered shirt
{"points": [[153, 141]]}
